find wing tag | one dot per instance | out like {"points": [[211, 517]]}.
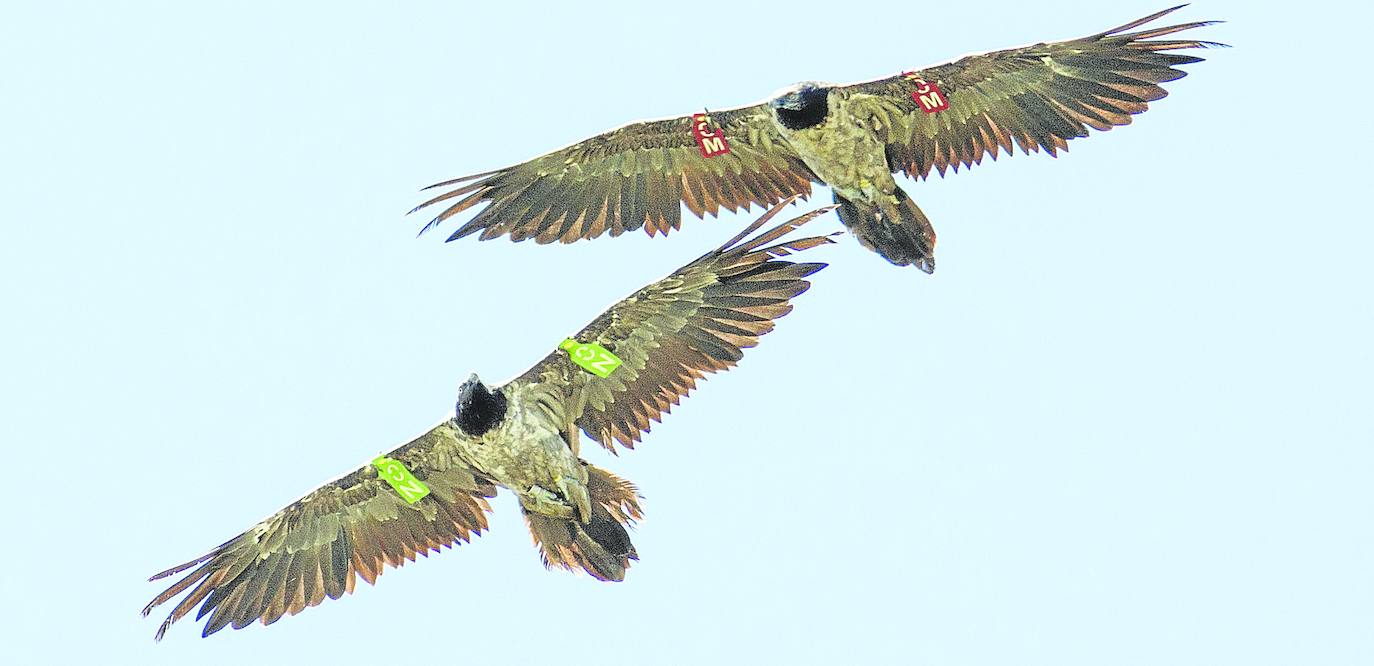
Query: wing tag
{"points": [[711, 142], [407, 486], [927, 95], [591, 357]]}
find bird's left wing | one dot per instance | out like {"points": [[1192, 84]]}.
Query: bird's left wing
{"points": [[1037, 96], [675, 331], [349, 527], [635, 176]]}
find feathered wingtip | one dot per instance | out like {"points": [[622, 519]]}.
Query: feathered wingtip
{"points": [[1162, 45], [184, 584], [783, 249], [480, 179]]}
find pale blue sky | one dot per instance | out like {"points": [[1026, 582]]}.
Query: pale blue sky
{"points": [[1128, 421]]}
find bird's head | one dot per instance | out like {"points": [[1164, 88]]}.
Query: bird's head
{"points": [[479, 408], [802, 105]]}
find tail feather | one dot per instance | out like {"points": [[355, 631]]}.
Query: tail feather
{"points": [[601, 545], [907, 240]]}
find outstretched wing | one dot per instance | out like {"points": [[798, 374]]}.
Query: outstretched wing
{"points": [[631, 177], [675, 331], [1036, 96], [315, 547]]}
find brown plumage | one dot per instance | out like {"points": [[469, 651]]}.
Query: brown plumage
{"points": [[1037, 97], [522, 435], [317, 546], [692, 323], [637, 176], [599, 546]]}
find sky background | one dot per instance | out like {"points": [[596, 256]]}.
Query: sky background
{"points": [[1128, 421]]}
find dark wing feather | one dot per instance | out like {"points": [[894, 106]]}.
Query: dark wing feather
{"points": [[317, 546], [1037, 97], [678, 330], [636, 176]]}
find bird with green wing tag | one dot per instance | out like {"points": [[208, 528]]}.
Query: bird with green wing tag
{"points": [[609, 381]]}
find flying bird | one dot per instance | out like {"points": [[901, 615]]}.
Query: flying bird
{"points": [[625, 369], [849, 137]]}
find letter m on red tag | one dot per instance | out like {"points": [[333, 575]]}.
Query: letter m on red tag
{"points": [[927, 95], [711, 142]]}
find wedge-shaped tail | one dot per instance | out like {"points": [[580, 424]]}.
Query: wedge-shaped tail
{"points": [[600, 544], [903, 237]]}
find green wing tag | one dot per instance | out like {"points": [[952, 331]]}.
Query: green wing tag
{"points": [[407, 486], [591, 357]]}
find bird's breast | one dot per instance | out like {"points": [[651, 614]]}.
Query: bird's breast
{"points": [[526, 453], [845, 154]]}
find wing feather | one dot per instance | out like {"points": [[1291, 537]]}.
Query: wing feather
{"points": [[669, 335], [1037, 97], [316, 547], [640, 174]]}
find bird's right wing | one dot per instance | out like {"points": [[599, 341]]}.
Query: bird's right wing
{"points": [[634, 176], [349, 527], [1038, 97], [675, 331]]}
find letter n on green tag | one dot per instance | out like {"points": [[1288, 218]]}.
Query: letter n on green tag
{"points": [[407, 486], [591, 357]]}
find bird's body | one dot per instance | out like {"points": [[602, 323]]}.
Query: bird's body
{"points": [[525, 451], [835, 133], [522, 435], [841, 148], [849, 137]]}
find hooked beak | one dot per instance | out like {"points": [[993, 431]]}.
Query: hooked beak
{"points": [[465, 393]]}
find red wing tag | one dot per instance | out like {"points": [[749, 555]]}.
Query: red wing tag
{"points": [[927, 95], [711, 142]]}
